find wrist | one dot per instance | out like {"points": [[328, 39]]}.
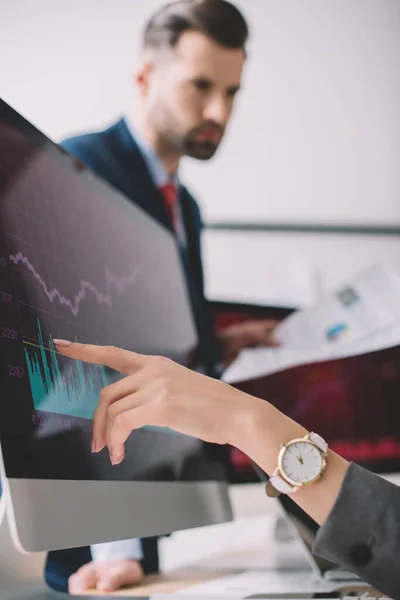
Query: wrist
{"points": [[264, 430], [260, 431]]}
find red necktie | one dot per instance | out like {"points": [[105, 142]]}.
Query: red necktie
{"points": [[169, 192]]}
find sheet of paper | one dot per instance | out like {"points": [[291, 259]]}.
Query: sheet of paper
{"points": [[257, 362], [363, 306], [361, 317]]}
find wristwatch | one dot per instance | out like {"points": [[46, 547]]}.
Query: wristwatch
{"points": [[301, 462]]}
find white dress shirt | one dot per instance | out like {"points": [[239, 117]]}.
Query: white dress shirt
{"points": [[159, 175], [123, 549]]}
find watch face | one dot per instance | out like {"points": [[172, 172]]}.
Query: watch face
{"points": [[301, 462]]}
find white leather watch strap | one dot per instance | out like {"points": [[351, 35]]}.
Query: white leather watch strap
{"points": [[319, 441], [281, 485]]}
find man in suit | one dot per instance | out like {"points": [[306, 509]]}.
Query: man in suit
{"points": [[189, 75]]}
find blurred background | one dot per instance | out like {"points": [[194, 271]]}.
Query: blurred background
{"points": [[305, 190]]}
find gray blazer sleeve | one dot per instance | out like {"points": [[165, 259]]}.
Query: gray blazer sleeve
{"points": [[362, 532]]}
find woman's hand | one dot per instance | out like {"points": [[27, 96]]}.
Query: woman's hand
{"points": [[156, 391]]}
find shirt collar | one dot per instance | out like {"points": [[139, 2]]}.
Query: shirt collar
{"points": [[153, 162]]}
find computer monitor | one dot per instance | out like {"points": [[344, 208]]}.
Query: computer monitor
{"points": [[80, 261]]}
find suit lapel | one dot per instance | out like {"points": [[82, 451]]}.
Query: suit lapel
{"points": [[148, 197], [189, 225], [145, 194]]}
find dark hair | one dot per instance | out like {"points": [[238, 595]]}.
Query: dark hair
{"points": [[218, 19]]}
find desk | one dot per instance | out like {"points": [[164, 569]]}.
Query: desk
{"points": [[197, 556], [200, 555], [167, 583], [185, 577]]}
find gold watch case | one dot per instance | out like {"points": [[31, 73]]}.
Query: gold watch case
{"points": [[279, 470]]}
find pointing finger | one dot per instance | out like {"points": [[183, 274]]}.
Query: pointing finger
{"points": [[118, 359]]}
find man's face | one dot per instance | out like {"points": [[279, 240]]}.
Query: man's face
{"points": [[189, 95]]}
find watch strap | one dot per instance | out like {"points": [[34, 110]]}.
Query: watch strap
{"points": [[319, 442], [282, 486]]}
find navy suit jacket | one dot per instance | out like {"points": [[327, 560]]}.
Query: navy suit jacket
{"points": [[114, 155]]}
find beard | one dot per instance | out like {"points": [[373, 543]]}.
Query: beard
{"points": [[199, 149], [200, 142]]}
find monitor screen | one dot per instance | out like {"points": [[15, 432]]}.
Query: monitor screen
{"points": [[79, 261]]}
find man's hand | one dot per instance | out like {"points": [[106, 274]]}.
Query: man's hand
{"points": [[105, 576], [248, 334]]}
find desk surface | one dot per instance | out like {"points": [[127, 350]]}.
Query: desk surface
{"points": [[167, 583]]}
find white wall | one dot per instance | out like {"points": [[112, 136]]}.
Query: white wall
{"points": [[315, 136], [317, 133]]}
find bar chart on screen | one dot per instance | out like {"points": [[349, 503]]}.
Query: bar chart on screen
{"points": [[72, 390]]}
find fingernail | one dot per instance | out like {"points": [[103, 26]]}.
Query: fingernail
{"points": [[93, 446], [63, 343], [118, 459]]}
